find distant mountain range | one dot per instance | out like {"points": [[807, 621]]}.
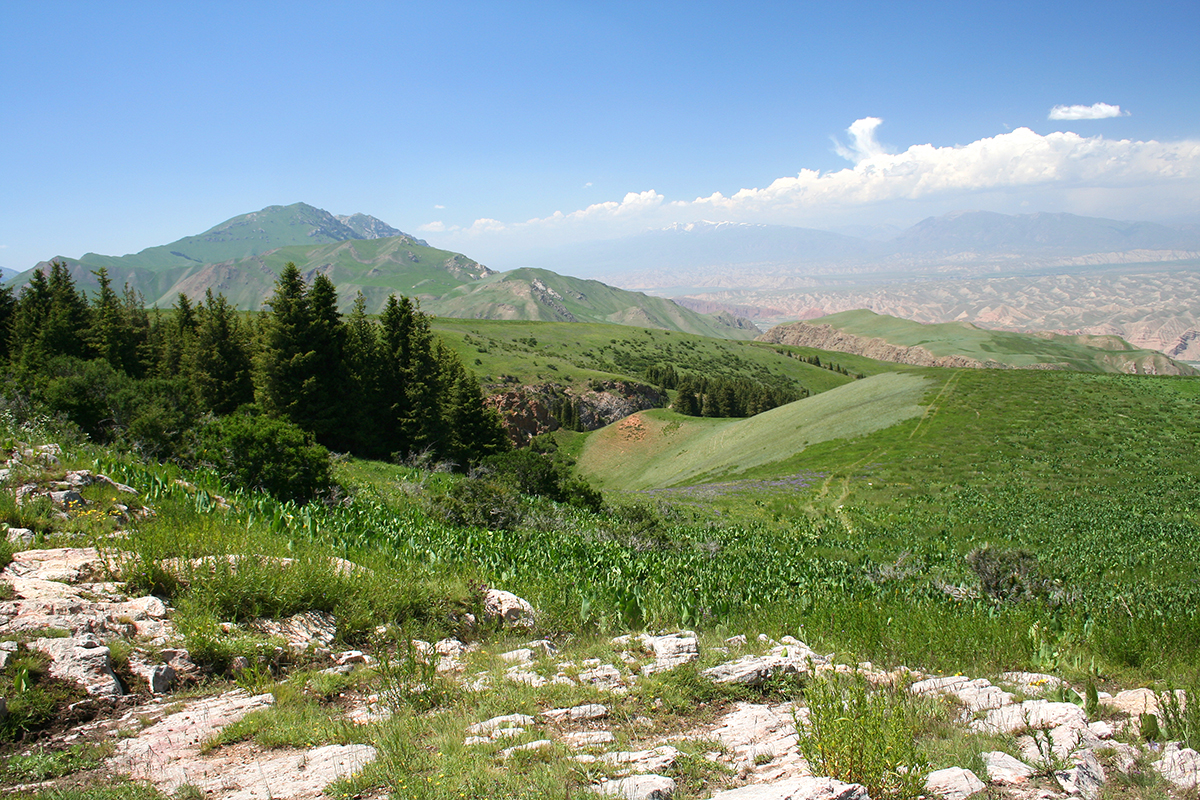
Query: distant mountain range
{"points": [[964, 243], [242, 257]]}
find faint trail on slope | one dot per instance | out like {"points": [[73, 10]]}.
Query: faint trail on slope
{"points": [[933, 407]]}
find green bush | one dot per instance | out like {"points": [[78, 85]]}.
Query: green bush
{"points": [[480, 503], [541, 474], [256, 452], [862, 735]]}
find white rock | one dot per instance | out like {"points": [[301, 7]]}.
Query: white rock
{"points": [[646, 761], [638, 787], [588, 738], [672, 650], [576, 713], [1101, 729], [805, 788], [1003, 768], [301, 630], [605, 676], [1031, 714], [506, 721], [1085, 779], [976, 695], [540, 744], [1032, 683], [508, 608], [522, 655], [1181, 766], [954, 783], [83, 660]]}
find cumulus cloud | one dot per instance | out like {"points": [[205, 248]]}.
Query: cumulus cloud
{"points": [[863, 144], [1094, 111], [587, 185], [1055, 171], [438, 206], [434, 227]]}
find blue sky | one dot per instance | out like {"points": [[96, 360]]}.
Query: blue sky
{"points": [[127, 125]]}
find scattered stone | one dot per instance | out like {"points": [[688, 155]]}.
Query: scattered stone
{"points": [[672, 650], [1004, 769], [21, 536], [239, 664], [753, 730], [352, 657], [954, 783], [976, 695], [84, 660], [508, 608], [1085, 779], [1180, 766], [507, 733], [507, 721], [1032, 683], [588, 738], [576, 713], [1136, 702], [522, 655], [736, 641], [804, 788], [754, 671], [642, 761], [159, 677], [540, 744], [301, 630], [62, 564], [638, 787], [605, 677], [1031, 714]]}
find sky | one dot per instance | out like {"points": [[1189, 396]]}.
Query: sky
{"points": [[494, 129]]}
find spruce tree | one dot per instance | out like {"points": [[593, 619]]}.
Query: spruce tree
{"points": [[284, 380], [218, 360]]}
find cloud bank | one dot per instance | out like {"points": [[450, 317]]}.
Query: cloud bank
{"points": [[1090, 175], [1094, 111]]}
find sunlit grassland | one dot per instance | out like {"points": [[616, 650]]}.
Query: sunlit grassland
{"points": [[573, 354], [666, 449]]}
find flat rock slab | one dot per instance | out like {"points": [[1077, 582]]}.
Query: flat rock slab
{"points": [[752, 730], [806, 788], [638, 787], [62, 564], [976, 695], [1180, 765], [1032, 714], [84, 660], [169, 750], [953, 783], [1004, 769]]}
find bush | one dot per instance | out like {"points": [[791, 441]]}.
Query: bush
{"points": [[541, 474], [257, 452], [480, 503], [1008, 575], [859, 735]]}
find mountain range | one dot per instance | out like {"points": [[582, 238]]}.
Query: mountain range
{"points": [[242, 257]]}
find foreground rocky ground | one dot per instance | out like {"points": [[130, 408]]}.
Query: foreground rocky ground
{"points": [[145, 710]]}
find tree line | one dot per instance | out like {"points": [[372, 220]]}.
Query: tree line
{"points": [[699, 396], [373, 388]]}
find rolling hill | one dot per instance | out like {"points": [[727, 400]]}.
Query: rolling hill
{"points": [[961, 344], [242, 257], [660, 448]]}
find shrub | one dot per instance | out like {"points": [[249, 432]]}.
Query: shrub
{"points": [[1008, 575], [859, 735], [542, 474], [480, 503], [257, 452]]}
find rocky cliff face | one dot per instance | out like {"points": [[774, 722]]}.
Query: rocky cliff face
{"points": [[528, 411], [827, 337]]}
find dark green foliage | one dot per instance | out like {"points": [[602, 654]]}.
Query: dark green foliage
{"points": [[477, 502], [217, 356], [257, 451], [1008, 575], [724, 397], [539, 471]]}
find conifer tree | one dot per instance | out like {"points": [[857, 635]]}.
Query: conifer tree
{"points": [[363, 355], [284, 380], [217, 358], [326, 342]]}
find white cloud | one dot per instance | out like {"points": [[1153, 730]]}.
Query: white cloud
{"points": [[1094, 111], [587, 185], [1059, 171], [863, 144], [435, 227], [438, 206]]}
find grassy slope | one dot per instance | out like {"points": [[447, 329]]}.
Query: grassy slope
{"points": [[574, 353], [526, 294], [1083, 353], [661, 448]]}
